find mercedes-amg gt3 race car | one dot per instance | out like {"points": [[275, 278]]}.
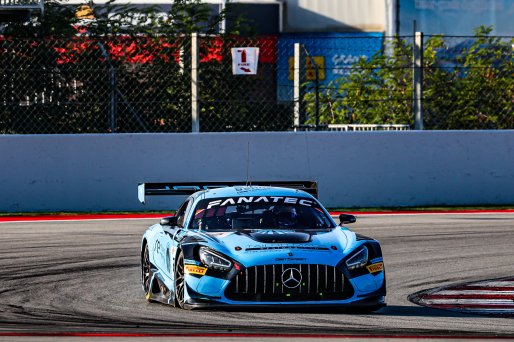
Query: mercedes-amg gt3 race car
{"points": [[265, 244]]}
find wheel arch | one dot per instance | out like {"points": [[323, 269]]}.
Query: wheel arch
{"points": [[144, 242]]}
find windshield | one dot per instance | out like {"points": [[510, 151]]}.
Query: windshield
{"points": [[265, 212]]}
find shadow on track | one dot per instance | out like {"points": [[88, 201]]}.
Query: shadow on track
{"points": [[390, 310], [418, 311]]}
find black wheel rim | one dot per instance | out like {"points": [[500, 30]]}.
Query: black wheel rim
{"points": [[179, 281], [146, 271]]}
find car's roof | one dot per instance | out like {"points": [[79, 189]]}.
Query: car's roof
{"points": [[245, 191]]}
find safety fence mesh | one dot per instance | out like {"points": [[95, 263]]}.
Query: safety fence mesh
{"points": [[365, 81], [93, 86], [468, 82], [139, 84], [241, 102]]}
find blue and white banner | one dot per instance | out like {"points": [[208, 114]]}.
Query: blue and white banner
{"points": [[333, 53]]}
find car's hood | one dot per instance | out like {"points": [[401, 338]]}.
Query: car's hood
{"points": [[260, 247]]}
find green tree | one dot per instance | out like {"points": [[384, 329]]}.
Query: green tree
{"points": [[63, 74], [472, 88], [58, 20], [156, 91], [478, 88], [377, 90]]}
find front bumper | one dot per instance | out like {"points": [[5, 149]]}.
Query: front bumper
{"points": [[372, 303], [362, 292]]}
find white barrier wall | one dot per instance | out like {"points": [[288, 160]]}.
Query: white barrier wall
{"points": [[354, 169]]}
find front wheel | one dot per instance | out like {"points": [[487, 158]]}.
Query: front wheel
{"points": [[146, 273], [179, 281]]}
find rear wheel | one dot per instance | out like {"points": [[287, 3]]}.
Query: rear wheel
{"points": [[179, 281], [146, 272]]}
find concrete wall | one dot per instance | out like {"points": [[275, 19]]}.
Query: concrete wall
{"points": [[101, 172]]}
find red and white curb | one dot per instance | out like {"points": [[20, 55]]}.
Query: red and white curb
{"points": [[81, 217], [490, 297]]}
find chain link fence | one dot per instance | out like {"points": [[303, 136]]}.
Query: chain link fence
{"points": [[138, 84], [462, 83], [351, 80], [93, 86], [468, 82], [231, 102]]}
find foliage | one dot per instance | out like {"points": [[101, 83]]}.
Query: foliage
{"points": [[184, 18], [232, 103], [126, 69], [116, 68], [58, 20], [480, 94], [466, 88], [376, 90]]}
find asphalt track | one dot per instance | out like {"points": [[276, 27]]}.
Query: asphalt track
{"points": [[83, 277]]}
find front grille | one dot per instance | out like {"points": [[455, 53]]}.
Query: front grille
{"points": [[281, 283]]}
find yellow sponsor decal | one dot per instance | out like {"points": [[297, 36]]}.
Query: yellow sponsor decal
{"points": [[379, 266], [310, 70], [192, 269]]}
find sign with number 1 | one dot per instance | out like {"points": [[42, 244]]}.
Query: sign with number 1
{"points": [[245, 60]]}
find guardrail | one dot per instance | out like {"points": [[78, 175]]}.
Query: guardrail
{"points": [[353, 127], [367, 127]]}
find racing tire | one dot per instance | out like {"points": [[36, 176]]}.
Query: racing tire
{"points": [[179, 281], [146, 273]]}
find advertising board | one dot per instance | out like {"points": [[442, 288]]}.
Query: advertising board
{"points": [[333, 53]]}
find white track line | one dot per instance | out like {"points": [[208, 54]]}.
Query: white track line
{"points": [[473, 292], [494, 284]]}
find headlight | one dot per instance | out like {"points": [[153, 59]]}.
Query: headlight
{"points": [[358, 259], [214, 260]]}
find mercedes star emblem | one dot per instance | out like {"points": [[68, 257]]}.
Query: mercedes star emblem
{"points": [[291, 278]]}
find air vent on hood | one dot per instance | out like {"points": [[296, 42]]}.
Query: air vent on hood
{"points": [[282, 237]]}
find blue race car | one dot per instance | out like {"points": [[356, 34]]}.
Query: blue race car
{"points": [[265, 244]]}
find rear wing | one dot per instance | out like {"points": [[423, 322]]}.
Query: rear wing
{"points": [[170, 189]]}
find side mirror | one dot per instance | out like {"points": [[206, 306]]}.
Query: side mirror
{"points": [[347, 219], [169, 221]]}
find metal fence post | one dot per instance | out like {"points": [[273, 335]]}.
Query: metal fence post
{"points": [[316, 76], [113, 104], [112, 89], [195, 90], [417, 96], [297, 82]]}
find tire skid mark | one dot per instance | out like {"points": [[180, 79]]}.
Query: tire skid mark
{"points": [[89, 282]]}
